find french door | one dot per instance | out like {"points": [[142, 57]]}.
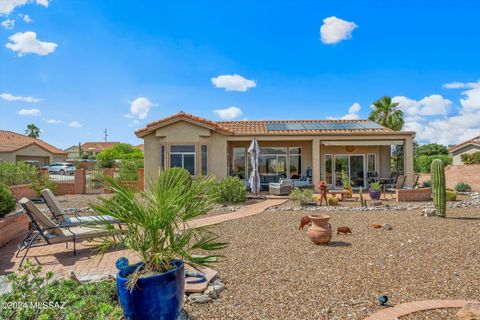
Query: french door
{"points": [[351, 165]]}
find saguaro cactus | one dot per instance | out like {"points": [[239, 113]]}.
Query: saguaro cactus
{"points": [[438, 187]]}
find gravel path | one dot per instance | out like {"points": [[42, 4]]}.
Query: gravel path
{"points": [[273, 271]]}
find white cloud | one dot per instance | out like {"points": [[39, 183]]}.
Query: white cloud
{"points": [[29, 112], [7, 6], [129, 116], [233, 82], [26, 18], [472, 101], [432, 105], [53, 121], [229, 113], [353, 112], [140, 107], [27, 42], [8, 24], [335, 30], [454, 85], [11, 97], [75, 124]]}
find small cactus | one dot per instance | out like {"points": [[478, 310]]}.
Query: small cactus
{"points": [[438, 187]]}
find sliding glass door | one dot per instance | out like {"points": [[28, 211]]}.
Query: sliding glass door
{"points": [[353, 166]]}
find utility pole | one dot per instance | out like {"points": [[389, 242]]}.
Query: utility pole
{"points": [[106, 134]]}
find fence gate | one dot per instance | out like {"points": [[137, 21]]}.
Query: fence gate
{"points": [[94, 181]]}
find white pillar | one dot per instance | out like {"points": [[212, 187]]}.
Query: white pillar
{"points": [[408, 162]]}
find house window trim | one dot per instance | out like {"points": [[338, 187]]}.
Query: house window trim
{"points": [[194, 153], [206, 159]]}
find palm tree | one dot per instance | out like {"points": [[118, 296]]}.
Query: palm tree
{"points": [[32, 131], [386, 113]]}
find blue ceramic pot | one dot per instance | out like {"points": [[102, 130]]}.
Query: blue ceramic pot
{"points": [[155, 297], [374, 194]]}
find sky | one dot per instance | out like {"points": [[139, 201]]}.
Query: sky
{"points": [[77, 67]]}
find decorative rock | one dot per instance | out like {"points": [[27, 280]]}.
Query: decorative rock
{"points": [[429, 212], [199, 298], [471, 311]]}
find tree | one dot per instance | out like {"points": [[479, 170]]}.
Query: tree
{"points": [[32, 131], [431, 149], [121, 151], [386, 113]]}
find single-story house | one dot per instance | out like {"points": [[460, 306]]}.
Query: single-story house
{"points": [[94, 148], [73, 152], [18, 147], [469, 146], [320, 149]]}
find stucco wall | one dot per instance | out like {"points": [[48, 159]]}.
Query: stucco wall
{"points": [[456, 155], [32, 153]]}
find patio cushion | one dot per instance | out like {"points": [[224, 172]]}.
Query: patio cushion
{"points": [[79, 233], [40, 217], [53, 204], [89, 219]]}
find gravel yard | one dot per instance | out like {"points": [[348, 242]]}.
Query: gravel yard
{"points": [[273, 271]]}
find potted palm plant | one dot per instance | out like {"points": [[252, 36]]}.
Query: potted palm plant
{"points": [[375, 191], [155, 226]]}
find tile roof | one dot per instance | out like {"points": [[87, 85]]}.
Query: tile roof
{"points": [[97, 146], [12, 141], [475, 140], [259, 127]]}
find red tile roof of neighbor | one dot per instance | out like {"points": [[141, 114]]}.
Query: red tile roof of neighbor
{"points": [[97, 146], [475, 140], [258, 127], [12, 141]]}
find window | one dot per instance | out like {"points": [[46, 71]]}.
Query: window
{"points": [[239, 163], [204, 160], [162, 158], [371, 163], [328, 169], [183, 156], [295, 165]]}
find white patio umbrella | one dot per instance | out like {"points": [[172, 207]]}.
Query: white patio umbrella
{"points": [[254, 179]]}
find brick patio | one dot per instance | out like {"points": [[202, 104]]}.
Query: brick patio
{"points": [[59, 259]]}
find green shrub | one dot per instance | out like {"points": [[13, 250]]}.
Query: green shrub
{"points": [[121, 151], [332, 201], [12, 173], [451, 195], [7, 201], [128, 169], [462, 187], [376, 186], [431, 149], [427, 183], [228, 190], [42, 181], [303, 196], [471, 158], [64, 298], [422, 163]]}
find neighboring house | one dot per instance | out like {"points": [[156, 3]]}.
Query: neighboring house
{"points": [[141, 147], [321, 149], [469, 146], [18, 147], [94, 148], [73, 152]]}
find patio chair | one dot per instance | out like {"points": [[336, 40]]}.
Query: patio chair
{"points": [[284, 187], [61, 215], [45, 232], [393, 187]]}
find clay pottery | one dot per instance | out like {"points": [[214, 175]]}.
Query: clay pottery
{"points": [[320, 232]]}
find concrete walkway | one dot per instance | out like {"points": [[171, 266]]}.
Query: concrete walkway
{"points": [[403, 309], [87, 265]]}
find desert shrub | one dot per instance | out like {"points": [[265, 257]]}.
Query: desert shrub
{"points": [[332, 201], [427, 183], [462, 187], [431, 149], [7, 201], [451, 195], [42, 181], [15, 173], [58, 299], [422, 163], [471, 158], [228, 190], [303, 196], [128, 169]]}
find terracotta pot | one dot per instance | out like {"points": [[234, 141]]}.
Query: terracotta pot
{"points": [[320, 232]]}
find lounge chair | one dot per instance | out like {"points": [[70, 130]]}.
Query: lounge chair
{"points": [[45, 232], [283, 187], [61, 215], [400, 181]]}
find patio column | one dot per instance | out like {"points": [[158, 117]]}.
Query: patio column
{"points": [[316, 163], [408, 162]]}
